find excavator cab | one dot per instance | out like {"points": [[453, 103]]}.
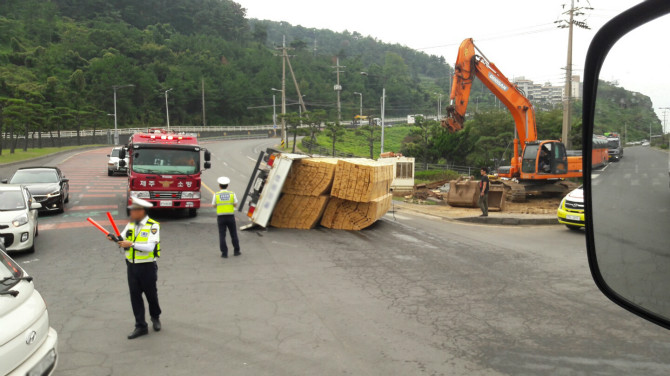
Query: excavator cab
{"points": [[544, 158]]}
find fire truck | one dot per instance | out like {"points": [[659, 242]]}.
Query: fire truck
{"points": [[164, 168]]}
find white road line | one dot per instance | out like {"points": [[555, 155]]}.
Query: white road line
{"points": [[251, 159], [594, 176]]}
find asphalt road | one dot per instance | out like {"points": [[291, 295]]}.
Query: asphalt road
{"points": [[631, 220], [413, 295]]}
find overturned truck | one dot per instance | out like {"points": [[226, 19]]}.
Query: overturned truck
{"points": [[301, 192]]}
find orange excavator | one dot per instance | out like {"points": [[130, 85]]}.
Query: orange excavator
{"points": [[538, 163]]}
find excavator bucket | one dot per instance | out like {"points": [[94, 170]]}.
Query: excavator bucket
{"points": [[463, 193], [497, 196]]}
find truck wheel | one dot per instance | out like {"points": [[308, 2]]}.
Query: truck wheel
{"points": [[109, 173], [573, 228], [192, 213]]}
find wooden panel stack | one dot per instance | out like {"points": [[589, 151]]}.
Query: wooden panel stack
{"points": [[346, 194], [361, 180], [310, 177], [299, 211], [352, 215]]}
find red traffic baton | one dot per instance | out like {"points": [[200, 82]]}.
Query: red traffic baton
{"points": [[103, 230], [111, 220]]}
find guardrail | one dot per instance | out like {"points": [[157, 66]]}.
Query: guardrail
{"points": [[186, 129]]}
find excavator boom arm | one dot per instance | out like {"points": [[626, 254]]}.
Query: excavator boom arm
{"points": [[470, 65]]}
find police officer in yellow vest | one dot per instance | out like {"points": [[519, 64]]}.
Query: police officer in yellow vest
{"points": [[225, 202], [142, 244]]}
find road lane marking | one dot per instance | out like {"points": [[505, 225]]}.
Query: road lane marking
{"points": [[69, 225], [208, 188], [94, 207], [252, 159]]}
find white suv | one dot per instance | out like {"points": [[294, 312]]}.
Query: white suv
{"points": [[27, 343], [113, 162]]}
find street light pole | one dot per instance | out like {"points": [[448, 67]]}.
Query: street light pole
{"points": [[116, 128], [283, 119], [274, 113], [167, 108], [360, 111], [383, 112]]}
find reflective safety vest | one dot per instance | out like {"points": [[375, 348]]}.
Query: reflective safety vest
{"points": [[225, 202], [137, 256]]}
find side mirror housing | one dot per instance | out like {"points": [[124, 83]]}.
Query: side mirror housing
{"points": [[4, 181], [208, 165], [626, 204], [65, 180], [35, 206], [108, 155], [122, 154], [208, 156]]}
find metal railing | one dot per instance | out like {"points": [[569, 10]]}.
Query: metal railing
{"points": [[469, 170]]}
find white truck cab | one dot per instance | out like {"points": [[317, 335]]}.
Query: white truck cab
{"points": [[28, 346]]}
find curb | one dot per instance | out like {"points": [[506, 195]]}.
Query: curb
{"points": [[505, 221], [10, 164], [509, 221]]}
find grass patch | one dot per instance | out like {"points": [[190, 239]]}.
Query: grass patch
{"points": [[434, 175], [358, 145], [20, 155]]}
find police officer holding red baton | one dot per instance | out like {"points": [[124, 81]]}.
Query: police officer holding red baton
{"points": [[141, 241]]}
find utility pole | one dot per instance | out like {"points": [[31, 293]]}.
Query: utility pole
{"points": [[338, 88], [204, 119], [665, 115], [439, 106], [567, 96], [283, 92], [301, 101]]}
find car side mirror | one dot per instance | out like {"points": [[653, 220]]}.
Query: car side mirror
{"points": [[122, 163], [35, 206], [627, 203], [208, 156], [65, 180], [108, 155], [4, 181], [208, 165]]}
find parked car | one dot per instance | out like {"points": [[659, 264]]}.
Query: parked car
{"points": [[113, 162], [18, 218], [47, 185], [28, 346], [571, 210]]}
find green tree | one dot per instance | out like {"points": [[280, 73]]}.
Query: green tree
{"points": [[334, 131]]}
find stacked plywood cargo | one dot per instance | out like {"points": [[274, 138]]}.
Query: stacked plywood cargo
{"points": [[298, 211], [305, 193], [310, 176], [352, 215], [346, 194]]}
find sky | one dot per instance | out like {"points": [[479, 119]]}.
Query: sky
{"points": [[519, 36]]}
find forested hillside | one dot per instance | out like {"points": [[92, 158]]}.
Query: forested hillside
{"points": [[60, 59]]}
